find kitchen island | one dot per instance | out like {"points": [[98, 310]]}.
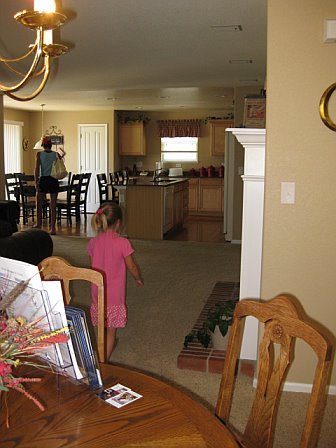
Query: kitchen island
{"points": [[152, 209]]}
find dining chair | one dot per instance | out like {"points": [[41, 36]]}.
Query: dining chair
{"points": [[68, 207], [28, 197], [12, 187], [114, 180], [283, 323], [102, 188], [57, 268], [83, 193]]}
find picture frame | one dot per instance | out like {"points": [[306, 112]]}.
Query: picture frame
{"points": [[255, 112]]}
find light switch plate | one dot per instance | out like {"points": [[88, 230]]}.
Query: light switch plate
{"points": [[287, 192]]}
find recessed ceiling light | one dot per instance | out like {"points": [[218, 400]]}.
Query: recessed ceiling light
{"points": [[240, 61], [227, 27], [138, 107], [220, 96]]}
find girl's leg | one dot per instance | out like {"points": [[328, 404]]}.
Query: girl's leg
{"points": [[53, 200], [40, 198], [110, 341]]}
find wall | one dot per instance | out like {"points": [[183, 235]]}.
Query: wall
{"points": [[299, 245], [153, 140], [2, 165], [67, 122]]}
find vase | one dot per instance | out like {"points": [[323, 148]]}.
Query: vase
{"points": [[219, 342]]}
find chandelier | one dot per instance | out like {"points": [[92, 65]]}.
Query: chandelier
{"points": [[43, 20]]}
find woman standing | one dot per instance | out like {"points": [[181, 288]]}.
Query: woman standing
{"points": [[44, 183]]}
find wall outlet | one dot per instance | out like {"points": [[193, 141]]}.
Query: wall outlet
{"points": [[287, 192], [178, 165]]}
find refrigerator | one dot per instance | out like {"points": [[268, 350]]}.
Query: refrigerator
{"points": [[229, 175]]}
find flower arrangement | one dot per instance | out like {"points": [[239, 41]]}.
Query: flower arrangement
{"points": [[20, 341]]}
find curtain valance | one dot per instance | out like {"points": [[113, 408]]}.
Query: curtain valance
{"points": [[179, 128]]}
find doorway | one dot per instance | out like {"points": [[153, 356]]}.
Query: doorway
{"points": [[92, 158]]}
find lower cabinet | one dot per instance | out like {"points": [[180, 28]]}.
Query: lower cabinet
{"points": [[206, 196]]}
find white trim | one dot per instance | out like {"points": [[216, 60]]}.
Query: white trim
{"points": [[252, 178], [18, 123], [299, 387]]}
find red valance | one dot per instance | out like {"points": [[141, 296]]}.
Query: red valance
{"points": [[179, 128]]}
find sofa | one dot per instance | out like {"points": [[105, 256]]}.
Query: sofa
{"points": [[31, 246]]}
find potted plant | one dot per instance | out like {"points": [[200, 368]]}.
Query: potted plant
{"points": [[219, 317]]}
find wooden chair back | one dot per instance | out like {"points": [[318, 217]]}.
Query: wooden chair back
{"points": [[283, 324], [102, 188], [58, 268]]}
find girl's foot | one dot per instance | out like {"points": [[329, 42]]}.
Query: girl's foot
{"points": [[36, 226], [53, 232]]}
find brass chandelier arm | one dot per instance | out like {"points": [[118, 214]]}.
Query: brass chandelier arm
{"points": [[40, 87], [20, 58], [324, 107], [25, 80]]}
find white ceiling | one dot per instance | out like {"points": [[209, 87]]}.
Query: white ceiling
{"points": [[149, 54]]}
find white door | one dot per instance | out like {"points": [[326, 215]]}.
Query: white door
{"points": [[92, 158]]}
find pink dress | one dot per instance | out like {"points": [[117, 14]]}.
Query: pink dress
{"points": [[108, 251]]}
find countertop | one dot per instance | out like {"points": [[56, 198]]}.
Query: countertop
{"points": [[147, 181]]}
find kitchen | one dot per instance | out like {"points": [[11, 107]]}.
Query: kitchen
{"points": [[203, 194]]}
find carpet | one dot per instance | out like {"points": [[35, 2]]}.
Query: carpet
{"points": [[179, 276]]}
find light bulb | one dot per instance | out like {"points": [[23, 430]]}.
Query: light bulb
{"points": [[44, 5]]}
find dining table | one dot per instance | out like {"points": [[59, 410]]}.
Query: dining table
{"points": [[74, 416]]}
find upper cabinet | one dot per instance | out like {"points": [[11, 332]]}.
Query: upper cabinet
{"points": [[132, 141], [217, 136]]}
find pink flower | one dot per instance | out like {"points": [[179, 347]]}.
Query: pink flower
{"points": [[5, 369]]}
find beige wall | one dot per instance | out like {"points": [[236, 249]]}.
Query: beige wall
{"points": [[2, 166], [299, 247], [67, 122]]}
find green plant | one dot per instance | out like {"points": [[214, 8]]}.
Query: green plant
{"points": [[132, 117], [220, 315]]}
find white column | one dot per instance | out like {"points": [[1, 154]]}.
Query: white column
{"points": [[253, 141]]}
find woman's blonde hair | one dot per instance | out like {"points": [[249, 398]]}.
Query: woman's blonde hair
{"points": [[106, 217]]}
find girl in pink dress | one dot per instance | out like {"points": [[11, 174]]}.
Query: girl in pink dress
{"points": [[111, 254]]}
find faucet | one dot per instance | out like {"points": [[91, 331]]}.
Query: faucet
{"points": [[157, 173]]}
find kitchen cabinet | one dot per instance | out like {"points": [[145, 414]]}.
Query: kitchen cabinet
{"points": [[217, 136], [132, 141], [193, 195], [206, 196], [154, 209], [178, 205]]}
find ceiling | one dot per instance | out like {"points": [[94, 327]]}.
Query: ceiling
{"points": [[153, 55]]}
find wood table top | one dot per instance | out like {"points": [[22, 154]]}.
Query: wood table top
{"points": [[75, 416]]}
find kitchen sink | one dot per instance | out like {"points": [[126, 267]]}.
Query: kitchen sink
{"points": [[163, 180]]}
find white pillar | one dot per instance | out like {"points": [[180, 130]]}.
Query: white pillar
{"points": [[253, 141]]}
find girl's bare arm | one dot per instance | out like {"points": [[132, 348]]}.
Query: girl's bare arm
{"points": [[134, 270]]}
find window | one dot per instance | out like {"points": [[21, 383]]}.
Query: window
{"points": [[12, 147], [179, 149]]}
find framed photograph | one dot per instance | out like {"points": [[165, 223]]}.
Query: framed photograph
{"points": [[57, 139], [255, 112]]}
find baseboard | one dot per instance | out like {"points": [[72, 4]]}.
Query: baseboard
{"points": [[235, 241], [300, 387]]}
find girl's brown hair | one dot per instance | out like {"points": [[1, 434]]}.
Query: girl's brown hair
{"points": [[106, 217]]}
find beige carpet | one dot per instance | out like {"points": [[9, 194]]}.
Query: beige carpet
{"points": [[179, 276]]}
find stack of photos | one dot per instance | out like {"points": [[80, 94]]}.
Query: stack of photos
{"points": [[118, 395]]}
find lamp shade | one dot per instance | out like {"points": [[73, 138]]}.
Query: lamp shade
{"points": [[38, 145]]}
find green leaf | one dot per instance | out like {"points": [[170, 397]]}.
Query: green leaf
{"points": [[187, 339], [223, 327]]}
